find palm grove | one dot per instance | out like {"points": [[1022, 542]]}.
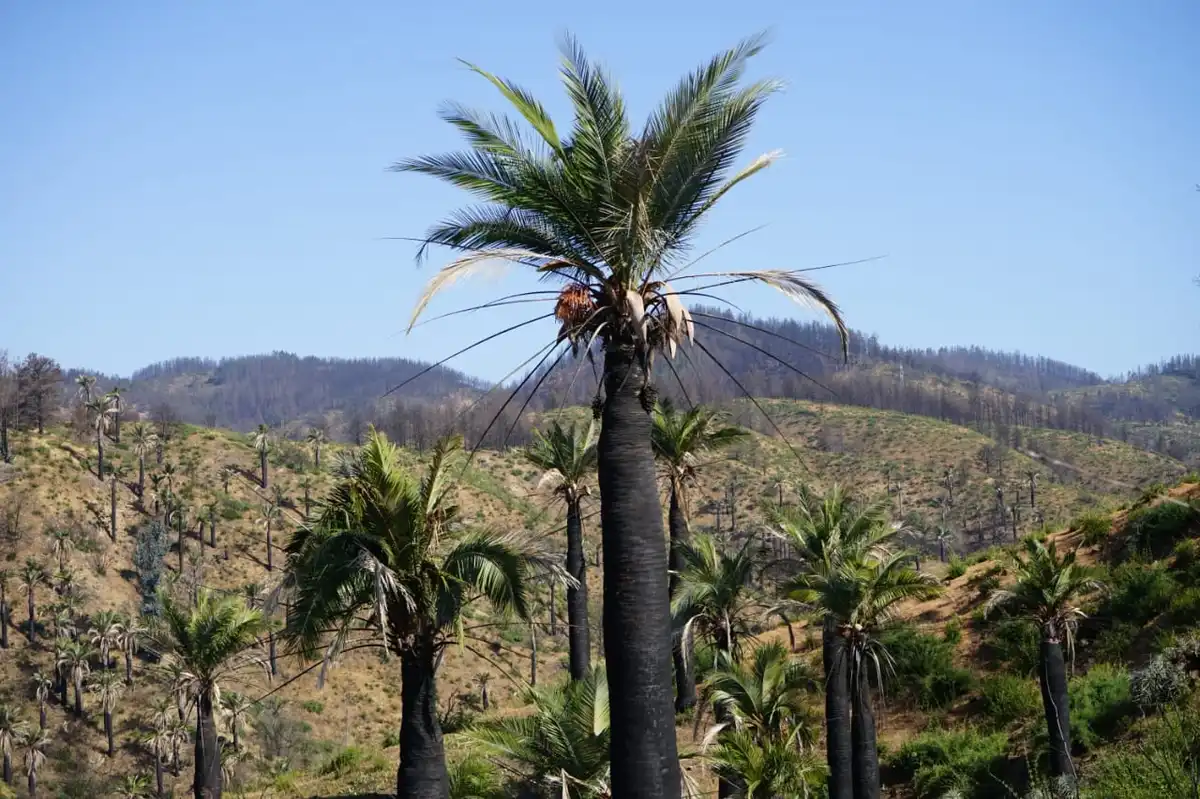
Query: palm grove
{"points": [[385, 560]]}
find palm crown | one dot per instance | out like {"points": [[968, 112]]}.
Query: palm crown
{"points": [[212, 640], [609, 212], [566, 455], [767, 696], [378, 547], [714, 593], [680, 436]]}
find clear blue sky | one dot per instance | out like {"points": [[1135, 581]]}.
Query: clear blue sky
{"points": [[210, 178]]}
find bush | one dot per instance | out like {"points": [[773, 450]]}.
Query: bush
{"points": [[956, 568], [352, 760], [1161, 766], [1016, 643], [939, 762], [923, 668], [1156, 529], [1161, 682], [1007, 699], [232, 509], [952, 631], [313, 706], [1115, 644], [1139, 592], [1100, 705], [1186, 555], [1185, 607], [1094, 528]]}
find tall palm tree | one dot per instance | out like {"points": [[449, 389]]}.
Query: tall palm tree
{"points": [[226, 474], [306, 485], [34, 744], [132, 635], [262, 445], [864, 595], [822, 531], [105, 633], [108, 687], [12, 730], [679, 439], [42, 685], [101, 415], [236, 706], [209, 511], [32, 575], [316, 439], [382, 546], [62, 544], [943, 535], [567, 457], [75, 663], [116, 473], [1047, 591], [158, 490], [269, 515], [5, 610], [610, 214], [259, 598], [86, 383], [159, 740], [214, 640], [563, 744], [114, 400]]}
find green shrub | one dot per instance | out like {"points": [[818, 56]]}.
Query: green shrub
{"points": [[313, 706], [939, 762], [1161, 766], [352, 760], [1094, 528], [1150, 493], [956, 568], [1156, 529], [1185, 607], [923, 668], [1138, 592], [1016, 644], [1115, 644], [1161, 682], [232, 509], [952, 631], [1186, 555], [1007, 699], [1100, 705]]}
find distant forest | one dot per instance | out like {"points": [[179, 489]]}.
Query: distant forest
{"points": [[734, 355]]}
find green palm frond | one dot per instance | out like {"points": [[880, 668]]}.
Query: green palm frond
{"points": [[769, 695], [566, 456], [215, 637], [714, 595], [680, 437], [767, 768]]}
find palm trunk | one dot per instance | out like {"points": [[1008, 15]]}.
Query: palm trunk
{"points": [[237, 726], [182, 546], [4, 611], [317, 457], [207, 781], [637, 621], [62, 691], [32, 623], [262, 465], [99, 453], [117, 425], [7, 769], [112, 529], [41, 714], [212, 530], [838, 736], [33, 780], [141, 476], [158, 773], [533, 654], [1053, 679], [862, 733], [422, 772], [128, 667], [4, 453], [271, 653], [78, 684], [108, 731], [270, 549], [553, 609], [685, 678], [578, 630]]}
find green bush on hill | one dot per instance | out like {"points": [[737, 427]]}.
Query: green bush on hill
{"points": [[1155, 530], [1007, 699], [1101, 706], [942, 761], [923, 668]]}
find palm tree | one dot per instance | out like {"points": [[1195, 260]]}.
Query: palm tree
{"points": [[113, 398], [610, 214], [679, 438], [209, 511], [32, 575], [567, 456], [382, 545], [62, 544], [101, 413], [564, 743], [236, 706], [132, 635], [767, 697], [35, 744], [1047, 591], [5, 610], [262, 445], [306, 485], [105, 633], [1031, 477], [270, 514], [226, 474], [822, 531], [159, 490], [117, 472], [42, 685], [259, 598], [765, 768], [133, 786], [483, 678], [213, 640], [169, 470], [943, 535], [85, 383], [108, 686], [75, 662], [316, 439], [12, 730]]}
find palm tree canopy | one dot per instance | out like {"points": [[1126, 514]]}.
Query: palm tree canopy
{"points": [[214, 638], [12, 729], [768, 696], [379, 546], [109, 687], [766, 768], [609, 212], [679, 437], [1047, 589], [262, 439], [567, 456], [567, 734], [714, 591], [142, 438]]}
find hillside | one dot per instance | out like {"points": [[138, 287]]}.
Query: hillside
{"points": [[50, 485]]}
